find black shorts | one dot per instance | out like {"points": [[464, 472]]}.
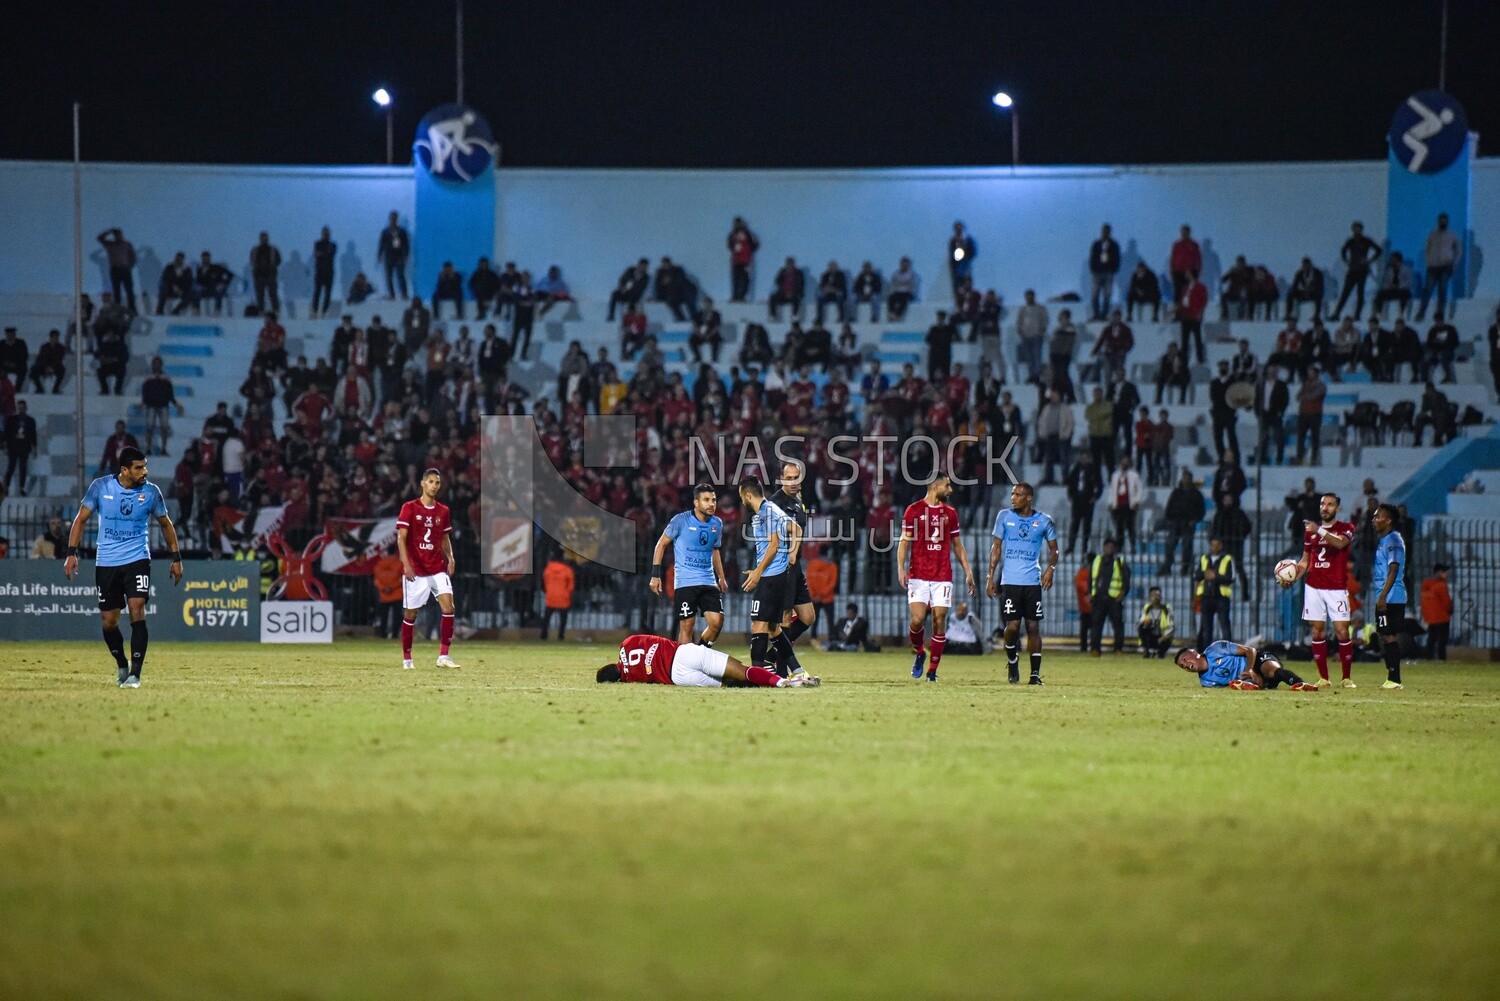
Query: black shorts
{"points": [[1021, 601], [769, 600], [1388, 622], [116, 584], [691, 602], [800, 594]]}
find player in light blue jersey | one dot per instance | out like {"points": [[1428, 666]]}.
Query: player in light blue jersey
{"points": [[1020, 534], [1223, 664], [697, 539], [127, 504], [1388, 580], [769, 583]]}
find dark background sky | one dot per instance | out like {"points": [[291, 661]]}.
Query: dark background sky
{"points": [[742, 84]]}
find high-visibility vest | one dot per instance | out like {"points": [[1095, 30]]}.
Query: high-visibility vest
{"points": [[1226, 582], [1116, 579]]}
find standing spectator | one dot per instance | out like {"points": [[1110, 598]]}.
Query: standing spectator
{"points": [[450, 288], [1054, 430], [822, 576], [20, 445], [1144, 290], [558, 581], [493, 357], [523, 316], [867, 288], [1125, 501], [1229, 479], [1162, 435], [1031, 328], [112, 445], [1359, 253], [1231, 525], [1124, 398], [1190, 307], [438, 350], [1185, 508], [1085, 602], [484, 286], [1215, 591], [1224, 416], [1109, 585], [1114, 343], [1442, 345], [1061, 347], [14, 356], [903, 290], [1234, 289], [265, 263], [1310, 414], [1441, 255], [176, 285], [940, 338], [1437, 609], [1084, 490], [232, 459], [1186, 263], [1395, 286], [157, 395], [393, 249], [1104, 265], [1099, 416], [789, 289], [119, 253], [961, 251], [324, 253], [833, 288], [1492, 338], [1155, 626], [416, 322], [49, 363], [1307, 286], [742, 248]]}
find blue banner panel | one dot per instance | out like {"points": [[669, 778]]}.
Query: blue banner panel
{"points": [[454, 163], [1431, 154], [217, 601]]}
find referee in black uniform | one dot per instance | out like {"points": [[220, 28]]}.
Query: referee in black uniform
{"points": [[800, 617]]}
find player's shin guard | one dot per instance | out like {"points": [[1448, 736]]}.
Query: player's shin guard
{"points": [[408, 633], [115, 641], [794, 630], [761, 677], [782, 655], [1346, 656], [1320, 657], [1013, 654], [445, 635], [915, 634], [138, 639], [1285, 677], [1036, 665], [758, 644], [939, 641], [1392, 656]]}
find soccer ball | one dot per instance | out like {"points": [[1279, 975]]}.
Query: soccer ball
{"points": [[1286, 571]]}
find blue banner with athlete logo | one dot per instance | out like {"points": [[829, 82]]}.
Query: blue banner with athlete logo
{"points": [[454, 156], [217, 601], [1431, 155]]}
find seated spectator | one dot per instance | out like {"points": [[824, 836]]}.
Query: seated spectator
{"points": [[1345, 354], [1408, 351], [755, 348], [484, 286], [52, 544], [673, 289], [1155, 627], [903, 290], [631, 288], [1378, 350], [966, 303], [851, 633], [14, 355], [1317, 345], [788, 289], [1264, 292], [1173, 372], [449, 288], [1234, 289], [552, 290], [1286, 352], [359, 290], [112, 352], [1442, 345], [817, 347], [1395, 285], [964, 631], [847, 352], [1244, 366], [49, 363], [1307, 286], [177, 285], [270, 345], [211, 281], [632, 331], [1114, 343], [1144, 290], [1437, 413], [833, 288], [867, 288]]}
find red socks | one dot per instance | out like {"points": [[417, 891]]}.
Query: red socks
{"points": [[408, 631], [939, 640], [1320, 657], [445, 635], [915, 635], [1346, 655], [761, 677]]}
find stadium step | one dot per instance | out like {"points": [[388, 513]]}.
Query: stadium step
{"points": [[194, 330], [186, 350]]}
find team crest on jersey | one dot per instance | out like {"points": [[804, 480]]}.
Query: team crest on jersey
{"points": [[1025, 528], [126, 506]]}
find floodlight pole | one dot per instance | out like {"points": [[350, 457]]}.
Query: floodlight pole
{"points": [[458, 46], [390, 133], [1015, 137], [78, 331], [1443, 51]]}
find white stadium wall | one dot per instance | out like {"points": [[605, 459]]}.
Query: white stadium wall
{"points": [[1033, 225]]}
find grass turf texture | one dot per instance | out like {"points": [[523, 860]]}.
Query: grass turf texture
{"points": [[316, 822]]}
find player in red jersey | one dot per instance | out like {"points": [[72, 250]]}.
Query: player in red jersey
{"points": [[656, 660], [1325, 565], [929, 532], [424, 540]]}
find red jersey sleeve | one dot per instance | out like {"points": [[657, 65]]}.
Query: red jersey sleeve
{"points": [[403, 520], [647, 660], [909, 522]]}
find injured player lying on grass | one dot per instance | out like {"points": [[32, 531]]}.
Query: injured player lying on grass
{"points": [[660, 661], [1243, 668]]}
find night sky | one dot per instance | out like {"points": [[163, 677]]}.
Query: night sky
{"points": [[742, 84]]}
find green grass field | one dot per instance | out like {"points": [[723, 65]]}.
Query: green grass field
{"points": [[314, 822]]}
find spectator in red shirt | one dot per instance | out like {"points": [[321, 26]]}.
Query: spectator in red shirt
{"points": [[790, 287], [1187, 259], [1191, 303], [742, 248], [878, 521], [956, 393]]}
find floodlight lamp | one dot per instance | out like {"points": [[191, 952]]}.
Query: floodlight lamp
{"points": [[1001, 100], [382, 97]]}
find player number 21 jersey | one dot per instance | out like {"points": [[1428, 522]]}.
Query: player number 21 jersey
{"points": [[425, 527], [1327, 567], [931, 528]]}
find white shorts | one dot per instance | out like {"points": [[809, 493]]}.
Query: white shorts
{"points": [[695, 666], [932, 593], [1324, 603], [416, 592]]}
